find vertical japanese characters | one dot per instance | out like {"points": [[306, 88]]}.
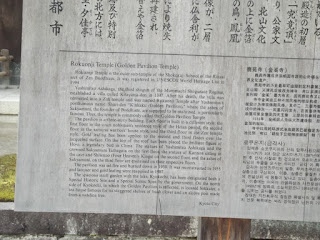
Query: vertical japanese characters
{"points": [[276, 25], [195, 14], [154, 12], [235, 27], [98, 8], [305, 15], [167, 28], [249, 32], [140, 26], [86, 22], [112, 19], [55, 8], [247, 22], [291, 23], [209, 10], [263, 20]]}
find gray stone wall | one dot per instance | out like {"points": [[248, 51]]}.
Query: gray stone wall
{"points": [[61, 224], [70, 237], [82, 226]]}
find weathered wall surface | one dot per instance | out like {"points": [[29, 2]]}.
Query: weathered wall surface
{"points": [[43, 237], [69, 237], [261, 229], [77, 226], [11, 27], [14, 223]]}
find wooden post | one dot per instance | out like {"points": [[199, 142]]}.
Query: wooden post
{"points": [[224, 229], [5, 60]]}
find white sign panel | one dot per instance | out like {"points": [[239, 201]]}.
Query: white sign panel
{"points": [[171, 107]]}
